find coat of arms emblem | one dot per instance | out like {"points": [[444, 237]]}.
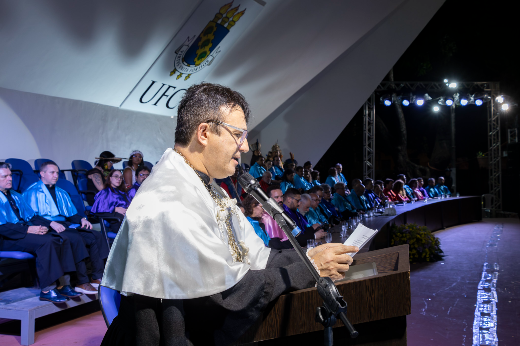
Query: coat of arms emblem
{"points": [[198, 52]]}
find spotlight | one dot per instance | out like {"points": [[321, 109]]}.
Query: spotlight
{"points": [[445, 81], [463, 101], [505, 106], [419, 101], [478, 102], [386, 100], [449, 102], [406, 102], [500, 99], [452, 85], [436, 108]]}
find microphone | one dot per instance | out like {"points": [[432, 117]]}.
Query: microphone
{"points": [[252, 187]]}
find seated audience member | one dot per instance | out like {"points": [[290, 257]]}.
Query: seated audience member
{"points": [[134, 162], [314, 215], [268, 164], [304, 207], [277, 170], [355, 182], [140, 175], [415, 188], [97, 175], [420, 186], [315, 175], [400, 194], [389, 183], [326, 206], [340, 201], [231, 185], [290, 164], [372, 198], [287, 180], [443, 189], [357, 198], [378, 191], [112, 201], [265, 182], [291, 204], [21, 230], [307, 176], [407, 189], [308, 166], [258, 169], [55, 205], [332, 219], [332, 179], [299, 182], [431, 189], [340, 177], [253, 211]]}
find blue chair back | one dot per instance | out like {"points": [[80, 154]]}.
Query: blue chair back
{"points": [[149, 165], [38, 163], [25, 176], [74, 195], [109, 300], [125, 163]]}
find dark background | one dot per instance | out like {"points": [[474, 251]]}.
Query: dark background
{"points": [[464, 41]]}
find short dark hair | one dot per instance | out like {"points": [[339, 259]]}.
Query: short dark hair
{"points": [[315, 174], [291, 192], [326, 187], [47, 163], [271, 188], [249, 203], [308, 163], [333, 172], [379, 182], [367, 180], [5, 165], [140, 169], [286, 173], [298, 168], [202, 103], [315, 189]]}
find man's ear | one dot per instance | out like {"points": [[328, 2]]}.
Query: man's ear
{"points": [[202, 134]]}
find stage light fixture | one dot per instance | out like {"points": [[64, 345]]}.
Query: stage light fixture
{"points": [[445, 80], [419, 101], [436, 108], [406, 102], [386, 100], [500, 99], [449, 101], [464, 101], [452, 85], [505, 107], [478, 102]]}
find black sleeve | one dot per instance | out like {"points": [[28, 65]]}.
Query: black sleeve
{"points": [[75, 219], [40, 221], [225, 316], [13, 231], [277, 244]]}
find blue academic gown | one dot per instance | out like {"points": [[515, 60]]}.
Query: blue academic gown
{"points": [[328, 209], [341, 179], [286, 185], [443, 189], [342, 203], [259, 231], [409, 191], [432, 191], [315, 183], [277, 172], [358, 202], [257, 171], [331, 181], [133, 191], [40, 200], [372, 198], [300, 183], [315, 216]]}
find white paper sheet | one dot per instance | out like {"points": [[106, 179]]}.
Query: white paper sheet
{"points": [[360, 237]]}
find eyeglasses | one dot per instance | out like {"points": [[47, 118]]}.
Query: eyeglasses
{"points": [[118, 177], [243, 135], [144, 174]]}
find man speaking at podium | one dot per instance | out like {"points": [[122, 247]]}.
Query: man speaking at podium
{"points": [[189, 265]]}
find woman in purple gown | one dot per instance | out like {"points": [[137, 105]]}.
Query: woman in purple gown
{"points": [[112, 201]]}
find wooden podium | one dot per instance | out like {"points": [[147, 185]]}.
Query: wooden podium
{"points": [[377, 307]]}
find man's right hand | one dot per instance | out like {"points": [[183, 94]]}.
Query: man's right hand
{"points": [[332, 259], [58, 227], [40, 230], [120, 210], [320, 234]]}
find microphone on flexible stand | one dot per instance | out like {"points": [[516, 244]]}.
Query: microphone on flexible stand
{"points": [[334, 307]]}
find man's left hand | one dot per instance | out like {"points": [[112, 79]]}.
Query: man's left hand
{"points": [[85, 224]]}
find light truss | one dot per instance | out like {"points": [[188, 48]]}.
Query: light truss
{"points": [[494, 145]]}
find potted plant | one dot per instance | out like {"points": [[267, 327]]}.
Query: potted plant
{"points": [[483, 161]]}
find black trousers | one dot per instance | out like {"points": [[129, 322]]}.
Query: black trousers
{"points": [[53, 255], [114, 224], [93, 243], [77, 248]]}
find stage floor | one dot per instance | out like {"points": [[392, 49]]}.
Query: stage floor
{"points": [[444, 295]]}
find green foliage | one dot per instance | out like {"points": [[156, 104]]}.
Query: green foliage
{"points": [[481, 154], [424, 246]]}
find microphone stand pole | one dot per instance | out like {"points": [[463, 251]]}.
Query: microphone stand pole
{"points": [[333, 304]]}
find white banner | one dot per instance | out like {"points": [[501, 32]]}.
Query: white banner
{"points": [[205, 39]]}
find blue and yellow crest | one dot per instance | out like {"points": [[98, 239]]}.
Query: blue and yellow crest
{"points": [[198, 52]]}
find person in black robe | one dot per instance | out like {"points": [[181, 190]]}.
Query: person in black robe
{"points": [[21, 230]]}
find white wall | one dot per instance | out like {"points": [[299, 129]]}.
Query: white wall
{"points": [[38, 126]]}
